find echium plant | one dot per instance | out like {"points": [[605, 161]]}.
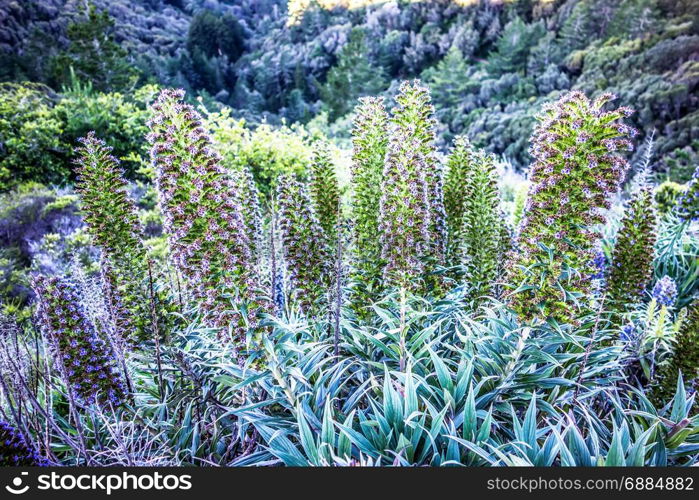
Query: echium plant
{"points": [[83, 358], [404, 221], [688, 204], [15, 450], [632, 258], [413, 120], [483, 234], [304, 245], [324, 191], [369, 142], [459, 168], [249, 202], [202, 211], [684, 359], [112, 221], [578, 165]]}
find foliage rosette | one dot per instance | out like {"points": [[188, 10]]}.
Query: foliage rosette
{"points": [[85, 360], [578, 165], [203, 215]]}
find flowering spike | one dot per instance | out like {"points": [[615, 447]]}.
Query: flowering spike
{"points": [[202, 212], [665, 291], [369, 142], [577, 167], [414, 117], [15, 451], [85, 360], [324, 190], [688, 204], [305, 248], [112, 221], [483, 235], [684, 359], [632, 258]]}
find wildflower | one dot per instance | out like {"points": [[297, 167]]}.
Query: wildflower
{"points": [[665, 291]]}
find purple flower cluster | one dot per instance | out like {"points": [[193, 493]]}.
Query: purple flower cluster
{"points": [[665, 291], [84, 359], [203, 215], [576, 170], [15, 451]]}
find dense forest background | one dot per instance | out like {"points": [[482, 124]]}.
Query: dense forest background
{"points": [[490, 64]]}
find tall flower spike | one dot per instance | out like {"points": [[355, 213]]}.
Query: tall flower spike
{"points": [[484, 235], [577, 167], [324, 190], [84, 358], [684, 359], [112, 221], [404, 220], [688, 204], [632, 258], [369, 142], [304, 246], [202, 212], [15, 451], [459, 166], [413, 120]]}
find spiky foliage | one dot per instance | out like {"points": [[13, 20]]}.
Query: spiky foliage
{"points": [[688, 204], [631, 266], [112, 221], [324, 190], [684, 359], [202, 211], [82, 356], [15, 451], [369, 142], [577, 168], [304, 245], [484, 235], [412, 121]]}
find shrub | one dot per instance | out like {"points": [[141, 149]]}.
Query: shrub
{"points": [[578, 166]]}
